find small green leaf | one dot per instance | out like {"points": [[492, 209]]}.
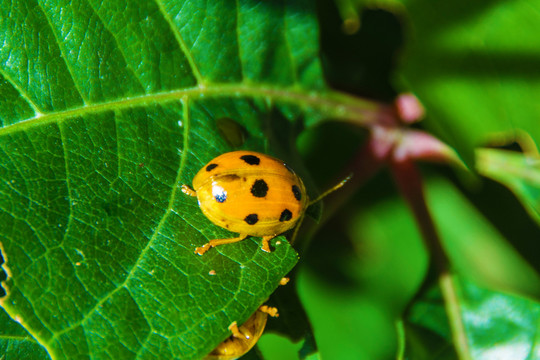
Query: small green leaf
{"points": [[276, 347], [347, 323], [519, 172]]}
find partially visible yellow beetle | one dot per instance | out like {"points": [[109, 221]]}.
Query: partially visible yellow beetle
{"points": [[251, 194], [243, 338]]}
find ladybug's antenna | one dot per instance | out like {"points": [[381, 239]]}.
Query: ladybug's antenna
{"points": [[297, 227], [329, 191]]}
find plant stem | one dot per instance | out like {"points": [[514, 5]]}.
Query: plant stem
{"points": [[400, 329], [409, 182]]}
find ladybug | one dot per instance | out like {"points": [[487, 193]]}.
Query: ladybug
{"points": [[243, 338], [251, 194]]}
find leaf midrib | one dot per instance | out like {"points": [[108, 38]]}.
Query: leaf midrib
{"points": [[330, 103]]}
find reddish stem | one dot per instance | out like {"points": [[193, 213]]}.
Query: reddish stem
{"points": [[409, 182], [410, 185]]}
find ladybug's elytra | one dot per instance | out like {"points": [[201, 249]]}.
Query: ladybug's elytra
{"points": [[251, 194]]}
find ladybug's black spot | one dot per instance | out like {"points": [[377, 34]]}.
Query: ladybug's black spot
{"points": [[259, 188], [251, 219], [211, 167], [297, 193], [251, 159], [286, 215]]}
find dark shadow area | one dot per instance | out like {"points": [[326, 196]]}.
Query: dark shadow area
{"points": [[484, 64], [504, 211], [332, 247], [292, 320], [360, 63]]}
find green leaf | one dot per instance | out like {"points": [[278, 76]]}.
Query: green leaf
{"points": [[347, 323], [106, 109], [473, 65], [99, 239], [497, 324], [519, 172], [276, 347], [475, 246], [16, 343]]}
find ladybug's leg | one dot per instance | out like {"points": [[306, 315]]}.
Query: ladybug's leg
{"points": [[266, 242], [188, 191], [235, 331], [272, 311], [201, 250]]}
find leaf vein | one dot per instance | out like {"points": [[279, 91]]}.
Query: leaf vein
{"points": [[63, 53], [238, 44], [23, 94], [120, 48], [181, 42], [68, 186], [294, 66], [329, 103]]}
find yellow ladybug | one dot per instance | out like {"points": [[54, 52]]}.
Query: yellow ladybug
{"points": [[251, 194], [243, 338]]}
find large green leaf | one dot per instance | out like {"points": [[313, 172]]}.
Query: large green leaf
{"points": [[106, 108]]}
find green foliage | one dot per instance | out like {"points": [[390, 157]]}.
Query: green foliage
{"points": [[108, 107], [500, 325], [472, 64]]}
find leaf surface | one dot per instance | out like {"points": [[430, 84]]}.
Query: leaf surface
{"points": [[107, 109]]}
